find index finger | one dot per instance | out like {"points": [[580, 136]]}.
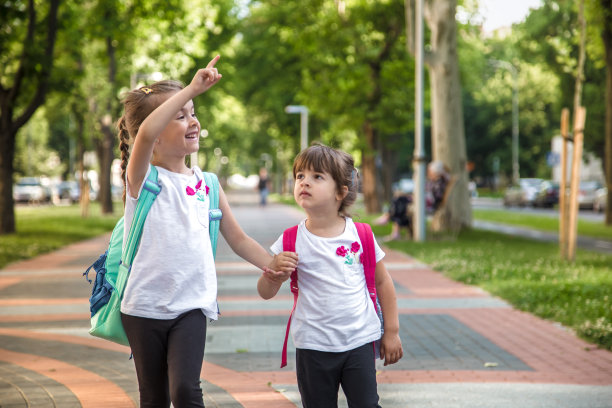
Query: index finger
{"points": [[213, 61]]}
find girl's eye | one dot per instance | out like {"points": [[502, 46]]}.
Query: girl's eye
{"points": [[299, 176], [180, 117]]}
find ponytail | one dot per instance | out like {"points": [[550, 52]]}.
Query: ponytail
{"points": [[124, 148]]}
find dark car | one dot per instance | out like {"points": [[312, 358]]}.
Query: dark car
{"points": [[547, 195]]}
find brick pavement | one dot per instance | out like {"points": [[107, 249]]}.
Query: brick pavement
{"points": [[463, 347]]}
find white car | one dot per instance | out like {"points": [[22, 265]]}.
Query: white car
{"points": [[601, 197], [587, 192], [31, 190]]}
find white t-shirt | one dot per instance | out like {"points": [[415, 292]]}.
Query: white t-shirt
{"points": [[334, 312], [174, 269]]}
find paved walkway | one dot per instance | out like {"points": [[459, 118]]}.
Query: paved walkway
{"points": [[463, 347]]}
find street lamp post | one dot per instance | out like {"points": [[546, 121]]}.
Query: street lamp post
{"points": [[419, 145], [303, 111], [515, 112]]}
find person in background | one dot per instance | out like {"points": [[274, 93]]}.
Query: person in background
{"points": [[437, 181], [401, 208], [263, 186]]}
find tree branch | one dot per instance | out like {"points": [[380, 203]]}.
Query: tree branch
{"points": [[410, 23], [45, 72], [23, 61]]}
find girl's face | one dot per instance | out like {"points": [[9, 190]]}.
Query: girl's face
{"points": [[182, 134], [317, 192]]}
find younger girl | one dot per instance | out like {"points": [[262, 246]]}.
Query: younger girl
{"points": [[334, 322], [172, 287]]}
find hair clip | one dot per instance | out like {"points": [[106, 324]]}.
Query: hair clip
{"points": [[146, 90]]}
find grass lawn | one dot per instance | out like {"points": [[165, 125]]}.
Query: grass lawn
{"points": [[42, 229], [542, 222]]}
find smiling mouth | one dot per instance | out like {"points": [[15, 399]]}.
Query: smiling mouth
{"points": [[192, 136]]}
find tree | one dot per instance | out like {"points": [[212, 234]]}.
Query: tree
{"points": [[346, 64], [606, 36], [27, 61], [549, 37], [447, 126]]}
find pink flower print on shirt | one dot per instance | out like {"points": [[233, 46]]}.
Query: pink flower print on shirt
{"points": [[198, 191], [350, 257]]}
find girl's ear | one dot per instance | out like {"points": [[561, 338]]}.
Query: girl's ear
{"points": [[340, 195]]}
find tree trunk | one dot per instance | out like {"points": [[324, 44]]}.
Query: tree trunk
{"points": [[368, 168], [7, 205], [448, 132], [107, 143], [607, 40], [373, 191], [104, 152], [9, 126]]}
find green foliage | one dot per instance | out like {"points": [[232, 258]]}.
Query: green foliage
{"points": [[549, 37], [33, 156]]}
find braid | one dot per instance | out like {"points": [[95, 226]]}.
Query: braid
{"points": [[124, 147]]}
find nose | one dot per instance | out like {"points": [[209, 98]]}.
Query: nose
{"points": [[194, 121]]}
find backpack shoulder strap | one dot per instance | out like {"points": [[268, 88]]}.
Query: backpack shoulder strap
{"points": [[289, 237], [214, 213], [369, 258], [149, 193]]}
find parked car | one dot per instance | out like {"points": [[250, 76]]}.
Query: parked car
{"points": [[547, 195], [69, 190], [522, 194], [601, 197], [31, 190], [587, 193]]}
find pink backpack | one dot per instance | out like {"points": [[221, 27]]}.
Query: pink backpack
{"points": [[369, 268]]}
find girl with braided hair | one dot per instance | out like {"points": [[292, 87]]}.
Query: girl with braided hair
{"points": [[172, 288]]}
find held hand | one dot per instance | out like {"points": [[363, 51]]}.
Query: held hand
{"points": [[205, 78], [391, 348], [284, 262], [276, 278]]}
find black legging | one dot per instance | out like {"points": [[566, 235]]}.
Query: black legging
{"points": [[168, 356]]}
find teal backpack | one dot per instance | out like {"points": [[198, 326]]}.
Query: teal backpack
{"points": [[113, 266]]}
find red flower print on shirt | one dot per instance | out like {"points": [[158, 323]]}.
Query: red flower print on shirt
{"points": [[197, 191], [349, 258]]}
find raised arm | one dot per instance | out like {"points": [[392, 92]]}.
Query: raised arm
{"points": [[156, 122]]}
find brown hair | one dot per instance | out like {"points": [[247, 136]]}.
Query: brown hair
{"points": [[137, 105], [340, 165]]}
